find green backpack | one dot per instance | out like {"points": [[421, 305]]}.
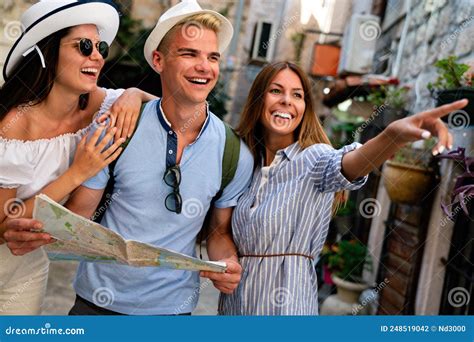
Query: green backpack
{"points": [[230, 161]]}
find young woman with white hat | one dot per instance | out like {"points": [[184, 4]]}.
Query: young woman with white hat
{"points": [[48, 102]]}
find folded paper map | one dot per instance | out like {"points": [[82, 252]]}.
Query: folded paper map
{"points": [[84, 240]]}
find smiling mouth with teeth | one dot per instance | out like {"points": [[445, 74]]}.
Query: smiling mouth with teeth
{"points": [[90, 71], [199, 80], [282, 115]]}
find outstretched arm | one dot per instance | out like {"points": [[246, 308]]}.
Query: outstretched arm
{"points": [[422, 125]]}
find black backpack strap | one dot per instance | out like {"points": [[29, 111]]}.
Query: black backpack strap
{"points": [[109, 188], [230, 161]]}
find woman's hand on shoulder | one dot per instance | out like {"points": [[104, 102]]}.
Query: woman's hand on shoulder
{"points": [[92, 153], [126, 110]]}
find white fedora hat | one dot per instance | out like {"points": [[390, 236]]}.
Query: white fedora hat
{"points": [[49, 16], [174, 15]]}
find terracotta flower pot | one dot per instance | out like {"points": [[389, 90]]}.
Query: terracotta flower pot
{"points": [[407, 184]]}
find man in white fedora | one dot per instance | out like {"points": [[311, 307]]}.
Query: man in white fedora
{"points": [[168, 177]]}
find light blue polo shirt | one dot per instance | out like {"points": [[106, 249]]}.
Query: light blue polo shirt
{"points": [[138, 212]]}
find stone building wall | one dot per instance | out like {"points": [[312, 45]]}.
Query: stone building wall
{"points": [[10, 27], [286, 16], [242, 72], [436, 29], [148, 11]]}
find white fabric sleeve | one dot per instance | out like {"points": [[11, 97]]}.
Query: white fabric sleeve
{"points": [[15, 168]]}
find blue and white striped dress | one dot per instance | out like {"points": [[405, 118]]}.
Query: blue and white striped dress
{"points": [[287, 209]]}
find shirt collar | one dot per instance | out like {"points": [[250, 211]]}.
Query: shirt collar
{"points": [[291, 151], [167, 124]]}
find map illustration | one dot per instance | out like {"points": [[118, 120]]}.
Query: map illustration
{"points": [[81, 239]]}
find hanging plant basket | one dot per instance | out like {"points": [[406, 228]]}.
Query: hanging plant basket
{"points": [[454, 82], [407, 184]]}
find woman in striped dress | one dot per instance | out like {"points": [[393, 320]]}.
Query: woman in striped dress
{"points": [[281, 222]]}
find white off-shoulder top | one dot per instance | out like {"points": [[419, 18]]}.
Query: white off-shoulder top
{"points": [[30, 165]]}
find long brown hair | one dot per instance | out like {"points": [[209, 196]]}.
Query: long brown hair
{"points": [[309, 132], [29, 82]]}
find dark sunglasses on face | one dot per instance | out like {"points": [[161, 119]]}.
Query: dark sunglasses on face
{"points": [[172, 178], [86, 46]]}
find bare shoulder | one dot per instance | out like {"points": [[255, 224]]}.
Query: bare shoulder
{"points": [[95, 100], [15, 124]]}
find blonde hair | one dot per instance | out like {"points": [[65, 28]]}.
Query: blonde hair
{"points": [[192, 25], [309, 132]]}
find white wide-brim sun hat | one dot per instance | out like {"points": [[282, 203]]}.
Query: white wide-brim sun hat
{"points": [[174, 15], [49, 16]]}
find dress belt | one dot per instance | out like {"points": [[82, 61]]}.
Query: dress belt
{"points": [[275, 255]]}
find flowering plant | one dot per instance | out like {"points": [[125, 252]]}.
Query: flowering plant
{"points": [[347, 259], [451, 75], [463, 190]]}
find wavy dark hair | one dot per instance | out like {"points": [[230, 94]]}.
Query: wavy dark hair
{"points": [[29, 82]]}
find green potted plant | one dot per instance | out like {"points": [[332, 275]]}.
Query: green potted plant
{"points": [[346, 260], [391, 102], [410, 174], [454, 83]]}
